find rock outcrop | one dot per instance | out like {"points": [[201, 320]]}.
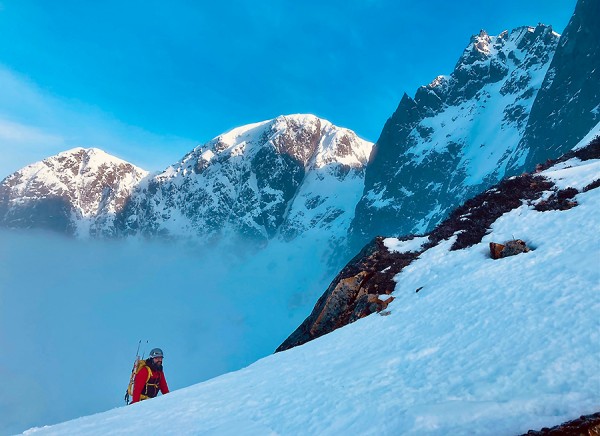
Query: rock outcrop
{"points": [[585, 425], [509, 248], [362, 287]]}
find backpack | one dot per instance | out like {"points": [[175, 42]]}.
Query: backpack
{"points": [[137, 365]]}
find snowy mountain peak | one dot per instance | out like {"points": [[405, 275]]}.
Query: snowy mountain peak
{"points": [[81, 160], [461, 131], [277, 178], [507, 47], [481, 42], [306, 138], [78, 191]]}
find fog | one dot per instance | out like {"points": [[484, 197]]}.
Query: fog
{"points": [[72, 314]]}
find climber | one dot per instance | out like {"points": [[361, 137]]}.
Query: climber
{"points": [[150, 378]]}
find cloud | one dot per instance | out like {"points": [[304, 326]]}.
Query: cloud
{"points": [[77, 309], [20, 133], [34, 124]]}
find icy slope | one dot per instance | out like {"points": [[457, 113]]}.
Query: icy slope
{"points": [[492, 347]]}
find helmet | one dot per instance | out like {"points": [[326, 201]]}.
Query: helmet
{"points": [[156, 352]]}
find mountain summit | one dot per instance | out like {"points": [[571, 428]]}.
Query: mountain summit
{"points": [[275, 179], [457, 135], [77, 192]]}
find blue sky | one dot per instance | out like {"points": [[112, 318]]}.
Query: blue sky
{"points": [[149, 80]]}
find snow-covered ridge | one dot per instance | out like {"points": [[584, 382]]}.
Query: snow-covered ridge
{"points": [[461, 130], [311, 140], [277, 178], [485, 347]]}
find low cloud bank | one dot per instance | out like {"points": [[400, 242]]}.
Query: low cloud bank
{"points": [[72, 313]]}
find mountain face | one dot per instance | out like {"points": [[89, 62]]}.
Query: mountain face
{"points": [[364, 285], [78, 192], [294, 175], [456, 137], [276, 179], [568, 103]]}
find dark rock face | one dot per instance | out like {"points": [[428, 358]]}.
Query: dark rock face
{"points": [[361, 288], [568, 104], [48, 213], [358, 289]]}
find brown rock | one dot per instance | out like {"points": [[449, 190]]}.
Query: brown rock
{"points": [[354, 293], [496, 250], [509, 248]]}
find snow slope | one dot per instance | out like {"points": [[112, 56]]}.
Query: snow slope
{"points": [[487, 347]]}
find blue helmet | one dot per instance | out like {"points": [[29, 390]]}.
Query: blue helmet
{"points": [[156, 352]]}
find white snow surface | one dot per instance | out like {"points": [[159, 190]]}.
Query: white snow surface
{"points": [[487, 347], [405, 246], [588, 138]]}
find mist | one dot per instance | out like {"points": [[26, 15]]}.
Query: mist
{"points": [[73, 312]]}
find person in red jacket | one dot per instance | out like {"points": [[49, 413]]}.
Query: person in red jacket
{"points": [[150, 378]]}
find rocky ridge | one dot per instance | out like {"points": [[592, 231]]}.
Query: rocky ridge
{"points": [[513, 100], [456, 137], [282, 178]]}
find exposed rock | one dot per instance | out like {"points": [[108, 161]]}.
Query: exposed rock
{"points": [[509, 248], [471, 221], [360, 289], [559, 200], [568, 103], [588, 425]]}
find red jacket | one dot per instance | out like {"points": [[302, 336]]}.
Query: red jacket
{"points": [[144, 390]]}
